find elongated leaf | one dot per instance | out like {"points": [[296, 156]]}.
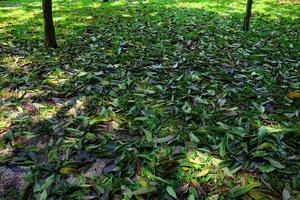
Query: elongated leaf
{"points": [[171, 192], [67, 170], [222, 147], [191, 197], [98, 120], [202, 173], [261, 133], [214, 197], [148, 135], [241, 190], [275, 163], [44, 195], [194, 138], [165, 139], [286, 194], [186, 108], [294, 95], [144, 190], [266, 168], [48, 182]]}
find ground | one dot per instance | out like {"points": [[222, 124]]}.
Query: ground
{"points": [[157, 99]]}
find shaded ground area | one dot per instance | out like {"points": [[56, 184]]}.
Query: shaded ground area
{"points": [[150, 99]]}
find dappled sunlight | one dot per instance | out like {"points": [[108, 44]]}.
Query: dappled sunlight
{"points": [[7, 152], [8, 93], [16, 15], [279, 129], [226, 8], [210, 6], [15, 63], [79, 106]]}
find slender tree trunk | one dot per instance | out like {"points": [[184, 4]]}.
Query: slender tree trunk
{"points": [[247, 15], [50, 40]]}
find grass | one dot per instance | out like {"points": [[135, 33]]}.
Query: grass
{"points": [[150, 99]]}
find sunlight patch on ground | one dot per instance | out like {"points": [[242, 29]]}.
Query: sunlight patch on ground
{"points": [[17, 16], [8, 151], [210, 6], [225, 8]]}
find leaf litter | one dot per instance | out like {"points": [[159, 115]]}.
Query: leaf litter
{"points": [[152, 100]]}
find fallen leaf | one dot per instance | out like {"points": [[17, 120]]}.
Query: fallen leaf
{"points": [[294, 95], [202, 173], [171, 192], [29, 107], [144, 190], [165, 139], [67, 170], [241, 190]]}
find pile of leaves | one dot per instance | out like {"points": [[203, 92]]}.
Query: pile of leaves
{"points": [[151, 100]]}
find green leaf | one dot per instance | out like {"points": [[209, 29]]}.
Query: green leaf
{"points": [[37, 187], [52, 155], [275, 163], [194, 138], [261, 133], [171, 192], [214, 197], [148, 135], [98, 120], [48, 182], [186, 108], [76, 132], [140, 118], [225, 163], [43, 195], [241, 190], [233, 171], [239, 131], [144, 190], [286, 194], [266, 168], [222, 148], [90, 136], [191, 197]]}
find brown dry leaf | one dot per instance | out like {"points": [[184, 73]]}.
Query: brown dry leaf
{"points": [[196, 185], [29, 107], [182, 188], [138, 168], [243, 180]]}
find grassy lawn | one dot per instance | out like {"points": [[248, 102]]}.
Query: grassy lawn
{"points": [[157, 99]]}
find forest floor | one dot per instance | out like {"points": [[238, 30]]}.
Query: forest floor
{"points": [[157, 99]]}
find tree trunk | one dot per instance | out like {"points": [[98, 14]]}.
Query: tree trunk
{"points": [[247, 15], [50, 40]]}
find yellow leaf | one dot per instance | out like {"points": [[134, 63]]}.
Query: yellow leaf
{"points": [[85, 185], [255, 194], [143, 182], [67, 170], [202, 173], [294, 95]]}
